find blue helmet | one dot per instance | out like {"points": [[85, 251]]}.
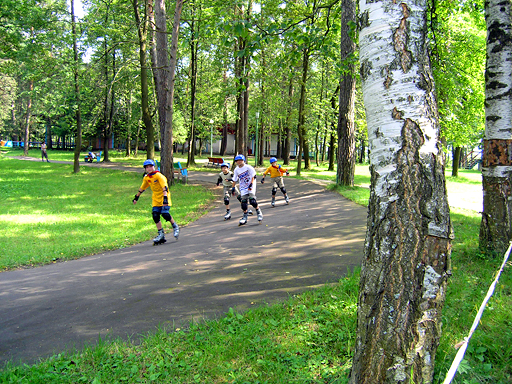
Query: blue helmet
{"points": [[224, 165], [239, 157], [273, 160], [149, 162]]}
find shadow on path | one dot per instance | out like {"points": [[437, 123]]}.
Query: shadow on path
{"points": [[215, 265]]}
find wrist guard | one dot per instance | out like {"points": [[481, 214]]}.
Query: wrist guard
{"points": [[166, 200], [136, 198]]}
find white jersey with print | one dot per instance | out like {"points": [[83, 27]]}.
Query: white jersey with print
{"points": [[244, 176]]}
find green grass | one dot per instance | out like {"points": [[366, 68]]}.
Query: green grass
{"points": [[49, 214], [306, 339]]}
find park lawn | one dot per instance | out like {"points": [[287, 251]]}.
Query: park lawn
{"points": [[306, 339], [50, 214]]}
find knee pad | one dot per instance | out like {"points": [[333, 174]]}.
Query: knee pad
{"points": [[253, 202], [156, 217], [239, 198], [274, 190], [244, 204], [167, 216], [283, 189], [226, 200]]}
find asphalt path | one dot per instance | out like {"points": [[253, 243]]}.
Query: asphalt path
{"points": [[214, 265]]}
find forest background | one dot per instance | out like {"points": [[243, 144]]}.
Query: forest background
{"points": [[37, 87]]}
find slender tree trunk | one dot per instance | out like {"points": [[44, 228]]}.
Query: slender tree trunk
{"points": [[142, 28], [301, 127], [106, 120], [288, 123], [224, 142], [26, 133], [332, 150], [456, 161], [324, 142], [129, 127], [78, 116], [332, 144], [193, 44], [496, 225], [346, 126], [110, 125], [406, 259]]}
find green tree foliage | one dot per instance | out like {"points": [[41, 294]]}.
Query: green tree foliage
{"points": [[459, 66]]}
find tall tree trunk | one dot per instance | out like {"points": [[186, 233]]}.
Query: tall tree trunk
{"points": [[193, 44], [301, 127], [332, 150], [142, 28], [406, 259], [224, 141], [288, 123], [496, 225], [346, 126], [78, 116], [332, 143], [129, 126], [167, 147], [106, 120], [26, 133], [456, 161], [110, 125]]}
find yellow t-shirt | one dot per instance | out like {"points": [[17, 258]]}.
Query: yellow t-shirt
{"points": [[157, 182], [275, 171]]}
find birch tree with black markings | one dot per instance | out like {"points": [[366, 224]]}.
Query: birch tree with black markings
{"points": [[407, 249], [496, 226]]}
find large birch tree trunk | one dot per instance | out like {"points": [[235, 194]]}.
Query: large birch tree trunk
{"points": [[407, 249], [496, 226]]}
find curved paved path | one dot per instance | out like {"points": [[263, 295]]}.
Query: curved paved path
{"points": [[215, 265]]}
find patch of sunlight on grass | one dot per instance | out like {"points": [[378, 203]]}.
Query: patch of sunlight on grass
{"points": [[46, 218]]}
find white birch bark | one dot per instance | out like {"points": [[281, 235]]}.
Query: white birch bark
{"points": [[407, 246], [496, 226]]}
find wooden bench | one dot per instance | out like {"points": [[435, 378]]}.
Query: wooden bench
{"points": [[215, 161]]}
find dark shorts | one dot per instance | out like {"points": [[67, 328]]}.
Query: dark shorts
{"points": [[163, 209]]}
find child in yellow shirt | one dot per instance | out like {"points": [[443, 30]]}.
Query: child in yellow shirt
{"points": [[161, 200], [276, 174]]}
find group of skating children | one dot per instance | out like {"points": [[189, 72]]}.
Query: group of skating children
{"points": [[246, 177], [244, 174]]}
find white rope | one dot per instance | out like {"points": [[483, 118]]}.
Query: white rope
{"points": [[462, 350]]}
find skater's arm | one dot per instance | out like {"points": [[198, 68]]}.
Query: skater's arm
{"points": [[137, 195]]}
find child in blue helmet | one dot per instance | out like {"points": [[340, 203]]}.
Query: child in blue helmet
{"points": [[161, 199], [276, 174], [246, 176], [226, 178]]}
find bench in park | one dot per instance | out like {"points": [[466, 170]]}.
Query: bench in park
{"points": [[182, 172], [215, 161], [179, 171]]}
